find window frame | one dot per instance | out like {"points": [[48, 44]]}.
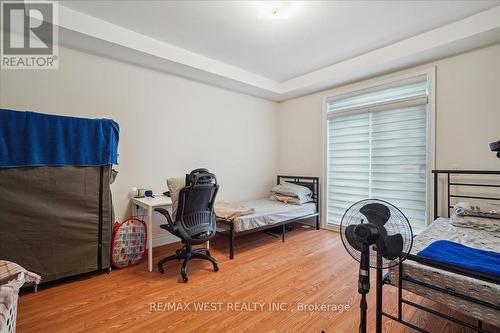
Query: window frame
{"points": [[372, 85]]}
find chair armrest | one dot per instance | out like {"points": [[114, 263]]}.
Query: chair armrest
{"points": [[165, 213]]}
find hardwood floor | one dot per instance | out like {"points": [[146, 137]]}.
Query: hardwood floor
{"points": [[310, 267]]}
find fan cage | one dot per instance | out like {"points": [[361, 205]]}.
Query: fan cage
{"points": [[397, 224]]}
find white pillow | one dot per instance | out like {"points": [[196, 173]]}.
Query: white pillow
{"points": [[174, 186], [293, 190], [476, 222], [483, 209]]}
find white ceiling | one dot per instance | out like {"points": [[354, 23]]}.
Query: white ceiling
{"points": [[317, 33], [321, 45]]}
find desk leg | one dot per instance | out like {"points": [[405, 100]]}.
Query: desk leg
{"points": [[150, 239]]}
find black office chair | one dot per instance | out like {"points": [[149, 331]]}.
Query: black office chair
{"points": [[195, 221]]}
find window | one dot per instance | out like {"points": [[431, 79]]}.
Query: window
{"points": [[377, 147]]}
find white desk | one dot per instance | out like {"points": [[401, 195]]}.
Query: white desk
{"points": [[149, 204]]}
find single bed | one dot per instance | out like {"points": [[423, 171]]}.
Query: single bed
{"points": [[270, 213], [486, 291], [470, 292]]}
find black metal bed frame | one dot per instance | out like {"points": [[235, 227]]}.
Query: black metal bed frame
{"points": [[310, 182], [385, 280]]}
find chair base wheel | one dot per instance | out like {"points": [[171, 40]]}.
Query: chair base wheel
{"points": [[187, 254]]}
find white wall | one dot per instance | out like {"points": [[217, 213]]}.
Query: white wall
{"points": [[467, 117], [168, 125]]}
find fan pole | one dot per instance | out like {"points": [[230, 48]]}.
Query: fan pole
{"points": [[378, 324], [364, 306], [364, 285]]}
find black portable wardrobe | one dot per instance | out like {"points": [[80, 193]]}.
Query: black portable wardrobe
{"points": [[56, 209]]}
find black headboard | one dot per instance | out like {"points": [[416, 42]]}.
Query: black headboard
{"points": [[310, 182], [452, 183]]}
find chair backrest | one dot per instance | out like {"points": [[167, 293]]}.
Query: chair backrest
{"points": [[195, 217]]}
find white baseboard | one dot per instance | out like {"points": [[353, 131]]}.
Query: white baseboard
{"points": [[163, 240]]}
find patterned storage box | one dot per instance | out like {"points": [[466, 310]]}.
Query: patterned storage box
{"points": [[10, 324], [129, 243]]}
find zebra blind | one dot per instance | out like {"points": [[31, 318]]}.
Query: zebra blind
{"points": [[377, 148]]}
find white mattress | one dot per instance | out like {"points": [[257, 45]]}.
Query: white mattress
{"points": [[489, 292], [269, 212]]}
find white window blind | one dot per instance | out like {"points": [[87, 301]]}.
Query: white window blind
{"points": [[410, 93], [377, 148]]}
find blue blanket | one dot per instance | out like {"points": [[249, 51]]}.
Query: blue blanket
{"points": [[35, 139], [463, 256]]}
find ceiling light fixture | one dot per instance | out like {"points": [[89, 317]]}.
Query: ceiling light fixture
{"points": [[276, 10]]}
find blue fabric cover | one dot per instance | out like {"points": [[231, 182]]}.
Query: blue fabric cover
{"points": [[36, 139], [463, 256]]}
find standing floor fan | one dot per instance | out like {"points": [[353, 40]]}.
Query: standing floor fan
{"points": [[377, 235]]}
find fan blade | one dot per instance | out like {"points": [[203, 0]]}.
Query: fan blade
{"points": [[376, 213], [391, 246], [351, 237]]}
